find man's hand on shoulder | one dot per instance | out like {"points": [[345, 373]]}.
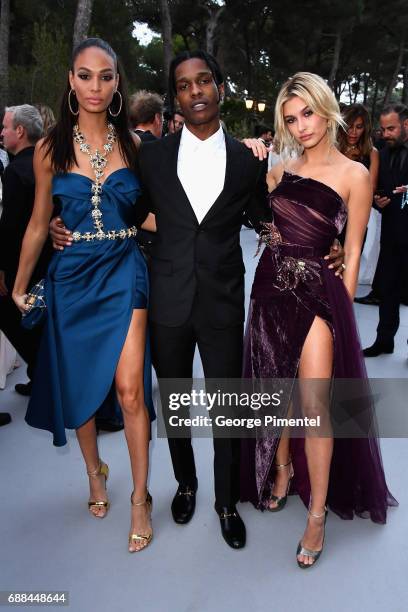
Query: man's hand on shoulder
{"points": [[257, 147]]}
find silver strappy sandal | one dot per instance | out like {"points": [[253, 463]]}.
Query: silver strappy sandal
{"points": [[281, 501], [315, 554]]}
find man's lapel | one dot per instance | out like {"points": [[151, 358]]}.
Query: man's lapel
{"points": [[175, 188], [235, 159]]}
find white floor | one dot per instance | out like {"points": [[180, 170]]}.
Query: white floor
{"points": [[49, 542]]}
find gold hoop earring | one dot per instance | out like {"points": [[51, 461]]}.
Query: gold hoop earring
{"points": [[120, 106], [69, 102]]}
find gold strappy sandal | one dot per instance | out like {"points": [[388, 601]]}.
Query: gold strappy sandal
{"points": [[139, 537], [315, 554], [101, 470], [281, 501]]}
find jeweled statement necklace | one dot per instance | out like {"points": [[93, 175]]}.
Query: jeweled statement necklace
{"points": [[98, 163]]}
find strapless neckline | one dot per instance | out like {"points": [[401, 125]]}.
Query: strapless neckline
{"points": [[313, 180], [87, 178]]}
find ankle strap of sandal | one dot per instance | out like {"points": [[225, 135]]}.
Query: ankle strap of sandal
{"points": [[97, 471], [317, 515], [280, 466], [147, 500]]}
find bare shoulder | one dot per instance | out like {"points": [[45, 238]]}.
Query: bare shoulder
{"points": [[40, 147], [42, 158], [357, 178], [274, 176], [356, 171], [375, 154]]}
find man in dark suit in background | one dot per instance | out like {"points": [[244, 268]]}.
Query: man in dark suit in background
{"points": [[146, 115], [392, 268], [146, 118], [22, 128]]}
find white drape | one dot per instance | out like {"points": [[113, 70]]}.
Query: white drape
{"points": [[371, 250]]}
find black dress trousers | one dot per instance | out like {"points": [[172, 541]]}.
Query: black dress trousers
{"points": [[221, 355]]}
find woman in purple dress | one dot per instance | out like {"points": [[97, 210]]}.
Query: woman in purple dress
{"points": [[301, 323]]}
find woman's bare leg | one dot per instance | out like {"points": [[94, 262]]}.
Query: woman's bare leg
{"points": [[282, 476], [86, 435], [316, 362], [130, 391]]}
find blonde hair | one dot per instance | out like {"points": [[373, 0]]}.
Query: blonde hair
{"points": [[47, 116], [318, 97]]}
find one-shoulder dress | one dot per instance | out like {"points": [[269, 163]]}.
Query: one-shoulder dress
{"points": [[293, 285], [91, 289]]}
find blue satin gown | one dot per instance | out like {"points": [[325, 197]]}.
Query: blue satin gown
{"points": [[91, 290]]}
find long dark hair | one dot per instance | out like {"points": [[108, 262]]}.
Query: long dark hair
{"points": [[59, 143], [182, 57], [350, 114]]}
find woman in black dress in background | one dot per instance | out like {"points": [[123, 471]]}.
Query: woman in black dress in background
{"points": [[355, 143]]}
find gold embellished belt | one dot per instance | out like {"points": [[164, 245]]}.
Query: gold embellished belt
{"points": [[105, 235]]}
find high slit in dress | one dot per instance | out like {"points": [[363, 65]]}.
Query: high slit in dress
{"points": [[293, 285], [91, 290]]}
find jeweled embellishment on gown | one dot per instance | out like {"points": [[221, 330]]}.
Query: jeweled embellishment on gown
{"points": [[98, 163], [290, 270]]}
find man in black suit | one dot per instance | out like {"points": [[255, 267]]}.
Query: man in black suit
{"points": [[199, 183], [146, 117], [22, 128], [393, 257]]}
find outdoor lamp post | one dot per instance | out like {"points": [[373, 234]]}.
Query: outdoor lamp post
{"points": [[254, 105]]}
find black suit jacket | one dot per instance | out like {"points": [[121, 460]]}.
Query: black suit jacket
{"points": [[393, 172], [144, 238], [145, 135], [205, 259], [18, 200]]}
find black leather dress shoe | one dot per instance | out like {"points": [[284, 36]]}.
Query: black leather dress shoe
{"points": [[371, 299], [24, 389], [232, 526], [5, 418], [108, 425], [378, 348], [183, 504]]}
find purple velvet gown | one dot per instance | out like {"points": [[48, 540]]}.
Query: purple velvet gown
{"points": [[292, 285]]}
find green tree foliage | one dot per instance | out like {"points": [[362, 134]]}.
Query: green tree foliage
{"points": [[360, 46]]}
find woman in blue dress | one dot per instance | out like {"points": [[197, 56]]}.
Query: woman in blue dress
{"points": [[94, 347]]}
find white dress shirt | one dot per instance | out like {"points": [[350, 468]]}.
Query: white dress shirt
{"points": [[201, 169]]}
